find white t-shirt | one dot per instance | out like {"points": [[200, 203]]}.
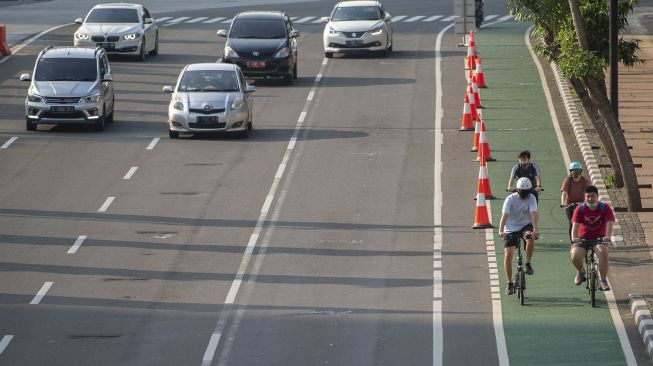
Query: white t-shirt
{"points": [[519, 211]]}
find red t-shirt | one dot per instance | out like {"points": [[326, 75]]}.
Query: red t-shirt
{"points": [[592, 222]]}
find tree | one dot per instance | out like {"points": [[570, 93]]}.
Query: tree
{"points": [[574, 35]]}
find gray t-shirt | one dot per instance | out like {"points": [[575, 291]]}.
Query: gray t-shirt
{"points": [[519, 211]]}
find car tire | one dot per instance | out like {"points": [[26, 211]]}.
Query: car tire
{"points": [[391, 45], [155, 51], [29, 125], [328, 54], [173, 134], [109, 118], [99, 123], [294, 71], [244, 133], [143, 55]]}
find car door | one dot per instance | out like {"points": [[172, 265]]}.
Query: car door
{"points": [[246, 96], [107, 86], [149, 30]]}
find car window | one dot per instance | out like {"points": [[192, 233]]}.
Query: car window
{"points": [[113, 16], [208, 81], [103, 67], [66, 69], [243, 83], [345, 13], [258, 28]]}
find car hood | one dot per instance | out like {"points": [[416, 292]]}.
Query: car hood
{"points": [[63, 88], [110, 29], [255, 44], [355, 25], [214, 99]]}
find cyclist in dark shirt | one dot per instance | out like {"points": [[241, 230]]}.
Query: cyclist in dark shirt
{"points": [[528, 169]]}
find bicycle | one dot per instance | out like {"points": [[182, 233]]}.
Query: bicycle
{"points": [[592, 265], [520, 276]]}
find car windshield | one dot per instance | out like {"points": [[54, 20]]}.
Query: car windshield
{"points": [[345, 13], [208, 81], [113, 16], [258, 28], [66, 69]]}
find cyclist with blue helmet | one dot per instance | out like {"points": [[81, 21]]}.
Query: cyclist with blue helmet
{"points": [[573, 190]]}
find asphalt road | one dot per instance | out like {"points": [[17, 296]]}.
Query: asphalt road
{"points": [[336, 249]]}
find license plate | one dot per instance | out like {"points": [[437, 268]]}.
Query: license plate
{"points": [[107, 46], [255, 64], [207, 119], [356, 42], [62, 109]]}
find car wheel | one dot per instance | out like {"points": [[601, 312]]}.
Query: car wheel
{"points": [[143, 55], [109, 118], [155, 51], [99, 123], [173, 134], [391, 44], [328, 54], [29, 125], [294, 71]]}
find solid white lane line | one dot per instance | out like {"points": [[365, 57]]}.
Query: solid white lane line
{"points": [[197, 20], [448, 19], [210, 349], [130, 173], [398, 18], [414, 19], [213, 20], [304, 20], [5, 342], [318, 78], [310, 96], [77, 244], [9, 142], [153, 143], [430, 19], [162, 19], [41, 294], [106, 204]]}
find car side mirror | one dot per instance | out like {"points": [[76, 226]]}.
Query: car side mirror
{"points": [[388, 16], [222, 33], [148, 21], [250, 89], [167, 89], [79, 21], [107, 77], [294, 33], [324, 19], [25, 77]]}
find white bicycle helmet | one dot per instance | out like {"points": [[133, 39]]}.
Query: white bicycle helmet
{"points": [[524, 184]]}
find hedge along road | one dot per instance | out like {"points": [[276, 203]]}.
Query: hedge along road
{"points": [[557, 325]]}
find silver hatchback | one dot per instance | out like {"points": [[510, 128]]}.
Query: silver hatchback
{"points": [[210, 97]]}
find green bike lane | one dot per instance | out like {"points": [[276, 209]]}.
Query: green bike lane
{"points": [[557, 325]]}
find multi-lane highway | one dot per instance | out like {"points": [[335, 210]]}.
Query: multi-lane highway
{"points": [[339, 233]]}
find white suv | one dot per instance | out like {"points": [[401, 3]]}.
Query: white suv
{"points": [[119, 28], [70, 85]]}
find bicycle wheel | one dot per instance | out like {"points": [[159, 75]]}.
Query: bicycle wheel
{"points": [[522, 286], [592, 285]]}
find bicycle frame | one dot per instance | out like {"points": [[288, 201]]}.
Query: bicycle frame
{"points": [[520, 275], [592, 265]]}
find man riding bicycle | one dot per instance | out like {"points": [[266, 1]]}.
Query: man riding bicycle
{"points": [[519, 217], [528, 169], [592, 221], [573, 190]]}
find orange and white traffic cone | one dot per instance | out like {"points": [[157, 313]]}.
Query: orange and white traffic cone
{"points": [[484, 180], [477, 134], [470, 62], [472, 102], [477, 95], [484, 146], [480, 77], [481, 218], [467, 123]]}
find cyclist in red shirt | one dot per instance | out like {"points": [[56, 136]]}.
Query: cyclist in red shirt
{"points": [[592, 220]]}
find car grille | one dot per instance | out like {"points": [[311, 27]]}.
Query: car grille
{"points": [[208, 125], [202, 111], [107, 39], [246, 54], [351, 34], [71, 115], [62, 100]]}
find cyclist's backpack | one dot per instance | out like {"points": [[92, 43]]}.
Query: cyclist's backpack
{"points": [[584, 204]]}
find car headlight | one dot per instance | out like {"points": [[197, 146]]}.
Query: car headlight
{"points": [[178, 106], [333, 32], [130, 36], [284, 52], [34, 98], [229, 52], [93, 98], [82, 36], [237, 103], [376, 31]]}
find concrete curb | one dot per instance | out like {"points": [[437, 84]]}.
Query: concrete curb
{"points": [[643, 319]]}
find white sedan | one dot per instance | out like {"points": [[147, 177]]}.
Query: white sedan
{"points": [[358, 26], [210, 97]]}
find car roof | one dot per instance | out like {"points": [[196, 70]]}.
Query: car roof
{"points": [[358, 3], [118, 5], [260, 14], [67, 52], [211, 66]]}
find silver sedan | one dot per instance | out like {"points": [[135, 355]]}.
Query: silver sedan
{"points": [[210, 97]]}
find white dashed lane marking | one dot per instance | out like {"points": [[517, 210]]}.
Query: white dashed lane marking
{"points": [[153, 143], [9, 142], [106, 204], [130, 173], [5, 342], [78, 243], [41, 294], [316, 20]]}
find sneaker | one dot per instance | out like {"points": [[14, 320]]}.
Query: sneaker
{"points": [[510, 290], [604, 286], [580, 278], [529, 269]]}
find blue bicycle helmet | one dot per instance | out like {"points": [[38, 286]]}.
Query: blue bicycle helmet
{"points": [[575, 166]]}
